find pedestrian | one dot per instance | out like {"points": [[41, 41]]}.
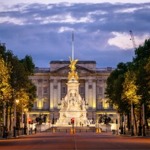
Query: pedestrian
{"points": [[6, 133], [31, 130], [35, 130]]}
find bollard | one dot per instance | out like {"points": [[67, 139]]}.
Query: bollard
{"points": [[74, 131], [53, 130], [98, 130], [71, 131]]}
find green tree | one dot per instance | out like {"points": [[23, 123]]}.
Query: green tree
{"points": [[114, 88], [28, 64], [22, 87], [130, 88], [5, 88], [140, 61], [131, 81], [30, 87], [129, 94]]}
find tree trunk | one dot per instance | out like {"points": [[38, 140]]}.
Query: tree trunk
{"points": [[140, 122], [128, 121], [10, 119], [135, 122], [7, 115]]}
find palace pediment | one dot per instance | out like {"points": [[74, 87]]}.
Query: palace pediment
{"points": [[64, 70]]}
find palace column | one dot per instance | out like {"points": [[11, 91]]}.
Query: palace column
{"points": [[51, 95], [59, 92], [55, 95], [94, 94], [90, 94], [86, 91]]}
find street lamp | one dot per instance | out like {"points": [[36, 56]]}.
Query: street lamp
{"points": [[15, 104]]}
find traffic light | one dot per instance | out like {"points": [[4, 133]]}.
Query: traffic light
{"points": [[30, 122], [72, 120]]}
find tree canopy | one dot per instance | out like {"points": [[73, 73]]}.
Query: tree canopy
{"points": [[131, 81], [14, 81]]}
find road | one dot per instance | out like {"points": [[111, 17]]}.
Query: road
{"points": [[78, 141]]}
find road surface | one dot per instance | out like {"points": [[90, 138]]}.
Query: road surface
{"points": [[78, 141]]}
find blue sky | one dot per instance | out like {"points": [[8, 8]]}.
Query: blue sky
{"points": [[101, 28]]}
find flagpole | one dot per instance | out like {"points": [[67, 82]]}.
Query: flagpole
{"points": [[72, 45]]}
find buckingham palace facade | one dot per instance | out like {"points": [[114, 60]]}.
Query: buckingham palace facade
{"points": [[51, 89]]}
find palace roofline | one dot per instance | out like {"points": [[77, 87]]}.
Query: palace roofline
{"points": [[47, 70], [68, 62], [58, 64]]}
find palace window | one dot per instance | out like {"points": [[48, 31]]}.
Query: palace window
{"points": [[63, 90], [90, 86], [100, 105], [55, 86], [100, 81], [100, 90], [39, 92], [45, 105], [82, 90], [35, 105], [45, 90], [40, 80]]}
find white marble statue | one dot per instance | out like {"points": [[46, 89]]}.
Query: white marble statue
{"points": [[72, 105]]}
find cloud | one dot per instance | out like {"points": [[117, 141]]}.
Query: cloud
{"points": [[64, 29], [63, 18], [123, 40], [11, 20], [127, 10], [101, 30], [12, 2], [98, 12]]}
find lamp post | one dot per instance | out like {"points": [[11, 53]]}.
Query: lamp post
{"points": [[53, 122], [15, 104], [25, 121]]}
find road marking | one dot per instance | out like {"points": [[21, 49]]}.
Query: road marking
{"points": [[75, 144]]}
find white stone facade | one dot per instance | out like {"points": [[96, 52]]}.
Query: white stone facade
{"points": [[52, 88]]}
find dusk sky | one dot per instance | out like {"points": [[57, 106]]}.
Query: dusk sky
{"points": [[43, 29]]}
